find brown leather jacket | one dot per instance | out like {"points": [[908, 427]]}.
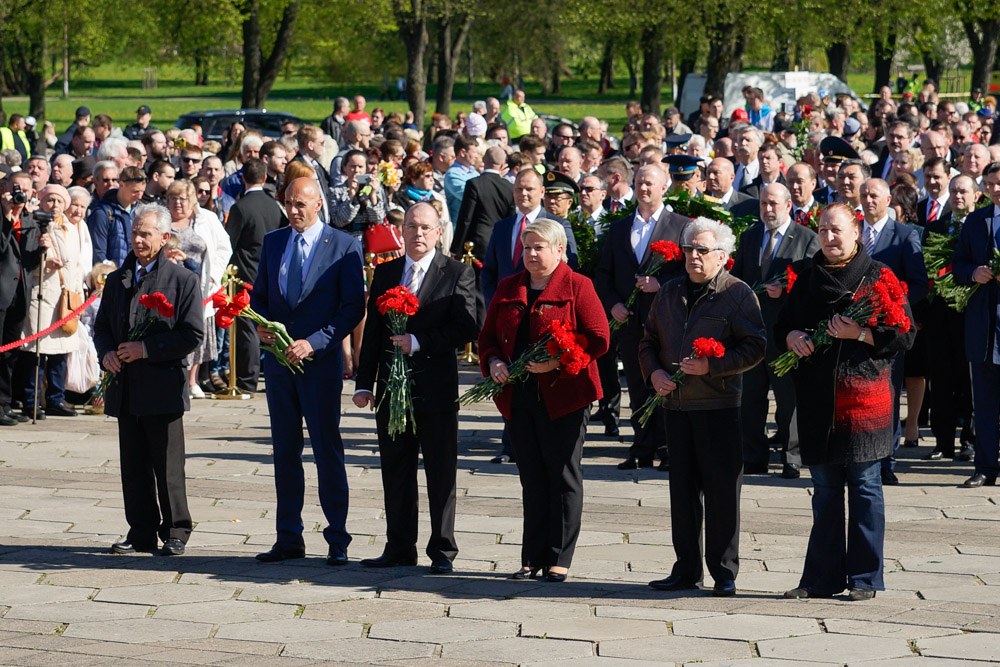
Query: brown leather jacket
{"points": [[728, 312]]}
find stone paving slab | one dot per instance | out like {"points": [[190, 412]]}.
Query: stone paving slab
{"points": [[835, 648], [138, 631], [675, 649]]}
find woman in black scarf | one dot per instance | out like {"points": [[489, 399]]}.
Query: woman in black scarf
{"points": [[844, 401]]}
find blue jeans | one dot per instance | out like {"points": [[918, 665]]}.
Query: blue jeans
{"points": [[54, 371], [831, 563]]}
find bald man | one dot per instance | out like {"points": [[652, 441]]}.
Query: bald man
{"points": [[310, 280]]}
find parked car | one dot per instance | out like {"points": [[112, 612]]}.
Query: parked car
{"points": [[213, 123]]}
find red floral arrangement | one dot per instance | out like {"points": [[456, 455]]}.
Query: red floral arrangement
{"points": [[860, 217], [227, 310], [398, 305], [558, 342], [730, 263], [156, 301], [662, 252], [786, 281], [878, 303], [706, 348]]}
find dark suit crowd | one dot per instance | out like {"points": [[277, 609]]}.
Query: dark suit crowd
{"points": [[561, 225]]}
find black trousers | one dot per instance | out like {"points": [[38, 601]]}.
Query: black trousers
{"points": [[607, 368], [11, 326], [706, 475], [753, 415], [247, 354], [949, 375], [152, 462], [651, 439], [548, 455], [437, 440]]}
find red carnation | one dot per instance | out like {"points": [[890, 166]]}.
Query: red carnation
{"points": [[219, 299], [668, 250], [707, 347], [790, 277], [166, 309], [729, 264], [398, 300], [223, 320]]}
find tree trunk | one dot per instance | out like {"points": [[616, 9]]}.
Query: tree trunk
{"points": [[782, 61], [630, 64], [933, 67], [412, 24], [607, 77], [259, 74], [885, 50], [984, 49], [838, 56], [448, 53], [686, 66], [652, 67], [725, 56]]}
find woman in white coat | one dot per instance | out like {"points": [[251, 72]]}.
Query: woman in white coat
{"points": [[205, 243], [61, 269]]}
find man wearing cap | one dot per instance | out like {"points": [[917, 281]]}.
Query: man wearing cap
{"points": [[684, 173], [834, 151], [975, 99], [676, 144], [560, 193], [852, 130], [13, 137], [672, 122], [143, 116], [82, 120]]}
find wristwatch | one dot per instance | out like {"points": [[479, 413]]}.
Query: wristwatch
{"points": [[862, 336]]}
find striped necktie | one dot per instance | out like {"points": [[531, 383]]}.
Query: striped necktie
{"points": [[869, 239]]}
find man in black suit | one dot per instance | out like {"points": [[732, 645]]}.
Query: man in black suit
{"points": [[764, 253], [445, 319], [934, 207], [624, 259], [149, 393], [311, 140], [770, 171], [253, 216], [488, 198]]}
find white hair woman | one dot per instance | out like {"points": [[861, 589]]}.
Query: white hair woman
{"points": [[702, 414], [76, 214]]}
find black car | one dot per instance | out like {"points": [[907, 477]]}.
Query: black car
{"points": [[213, 123]]}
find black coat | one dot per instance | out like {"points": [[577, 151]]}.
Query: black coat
{"points": [[487, 198], [253, 216], [445, 320], [18, 252], [156, 385], [818, 294]]}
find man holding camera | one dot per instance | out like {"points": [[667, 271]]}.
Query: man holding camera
{"points": [[19, 243]]}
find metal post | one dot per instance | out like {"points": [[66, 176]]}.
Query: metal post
{"points": [[38, 341], [231, 393], [369, 269], [468, 357]]}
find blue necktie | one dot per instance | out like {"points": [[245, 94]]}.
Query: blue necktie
{"points": [[294, 290]]}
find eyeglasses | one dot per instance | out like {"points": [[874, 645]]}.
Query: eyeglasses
{"points": [[177, 198], [700, 249], [107, 180], [565, 136], [587, 189], [287, 132], [204, 192], [193, 160]]}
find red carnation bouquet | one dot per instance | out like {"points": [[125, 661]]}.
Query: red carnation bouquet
{"points": [[786, 281], [881, 302], [559, 342], [663, 252], [701, 347], [398, 304], [155, 304], [227, 310]]}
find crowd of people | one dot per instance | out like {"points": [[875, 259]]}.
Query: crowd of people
{"points": [[564, 224]]}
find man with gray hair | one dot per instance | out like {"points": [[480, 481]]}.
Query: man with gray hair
{"points": [[148, 391], [114, 149], [765, 253], [748, 143], [333, 125]]}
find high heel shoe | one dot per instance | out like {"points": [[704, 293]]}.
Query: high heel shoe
{"points": [[556, 578], [530, 573]]}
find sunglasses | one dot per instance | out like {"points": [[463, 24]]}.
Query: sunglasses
{"points": [[588, 189], [204, 192], [108, 180], [700, 249], [190, 159]]}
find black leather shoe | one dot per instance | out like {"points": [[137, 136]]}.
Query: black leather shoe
{"points": [[126, 547], [673, 583], [911, 443], [280, 552], [966, 453], [632, 463], [889, 478], [390, 560], [754, 468], [935, 455], [598, 415], [60, 410], [857, 594], [28, 412], [8, 420], [788, 471], [16, 416], [664, 465], [172, 547], [337, 555], [725, 588], [442, 566], [612, 431], [525, 574], [979, 479], [554, 578]]}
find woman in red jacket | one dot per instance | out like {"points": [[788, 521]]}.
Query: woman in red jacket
{"points": [[546, 414]]}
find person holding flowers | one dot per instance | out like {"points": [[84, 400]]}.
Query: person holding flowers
{"points": [[844, 397], [445, 317], [707, 325], [148, 393], [310, 280], [546, 407]]}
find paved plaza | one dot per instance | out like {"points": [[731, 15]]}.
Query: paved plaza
{"points": [[64, 600]]}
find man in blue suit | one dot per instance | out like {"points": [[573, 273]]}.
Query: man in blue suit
{"points": [[979, 237], [310, 280], [897, 246], [500, 260]]}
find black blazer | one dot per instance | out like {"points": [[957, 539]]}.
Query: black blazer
{"points": [[156, 385], [754, 187], [487, 198], [824, 196], [944, 213], [445, 320], [798, 246], [618, 268], [898, 247], [741, 204], [253, 216]]}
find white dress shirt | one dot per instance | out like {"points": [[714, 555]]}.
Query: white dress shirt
{"points": [[642, 230], [532, 216]]}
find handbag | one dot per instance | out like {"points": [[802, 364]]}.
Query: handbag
{"points": [[382, 238], [68, 302]]}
